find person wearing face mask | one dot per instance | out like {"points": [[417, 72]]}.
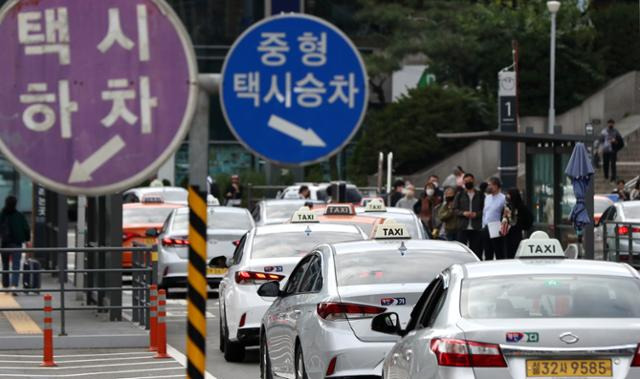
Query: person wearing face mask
{"points": [[435, 180], [516, 220], [449, 228], [409, 199], [424, 208], [468, 207]]}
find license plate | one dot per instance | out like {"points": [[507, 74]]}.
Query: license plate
{"points": [[569, 368], [216, 271]]}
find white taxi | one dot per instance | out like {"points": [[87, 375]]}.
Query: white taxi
{"points": [[319, 324], [267, 253], [538, 316]]}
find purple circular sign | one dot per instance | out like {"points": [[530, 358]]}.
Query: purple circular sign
{"points": [[94, 94]]}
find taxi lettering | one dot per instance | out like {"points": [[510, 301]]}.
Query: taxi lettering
{"points": [[542, 249], [305, 217], [393, 232]]}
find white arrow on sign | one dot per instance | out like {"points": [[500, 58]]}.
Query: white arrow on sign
{"points": [[81, 171], [306, 136]]}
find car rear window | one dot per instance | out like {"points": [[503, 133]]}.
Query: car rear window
{"points": [[542, 296], [632, 211], [601, 205], [145, 215], [294, 244], [363, 268], [217, 219]]}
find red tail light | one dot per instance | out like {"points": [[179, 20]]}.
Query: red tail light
{"points": [[623, 230], [636, 358], [342, 311], [251, 277], [332, 366], [243, 319], [462, 353], [175, 242]]}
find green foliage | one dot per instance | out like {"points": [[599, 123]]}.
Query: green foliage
{"points": [[408, 127]]}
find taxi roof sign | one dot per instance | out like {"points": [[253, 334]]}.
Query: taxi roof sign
{"points": [[540, 245], [340, 210], [375, 205], [391, 230], [303, 216]]}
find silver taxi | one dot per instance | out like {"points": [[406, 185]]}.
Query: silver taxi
{"points": [[539, 316], [319, 324]]}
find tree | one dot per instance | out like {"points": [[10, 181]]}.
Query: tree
{"points": [[409, 126]]}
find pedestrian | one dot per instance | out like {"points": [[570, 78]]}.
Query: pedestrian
{"points": [[610, 143], [516, 220], [14, 231], [233, 194], [409, 199], [623, 194], [447, 215], [468, 207], [304, 193], [635, 193], [456, 179], [397, 192], [435, 180], [425, 206], [494, 200]]}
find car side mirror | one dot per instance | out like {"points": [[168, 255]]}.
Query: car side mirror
{"points": [[387, 323], [151, 232], [270, 289], [219, 262]]}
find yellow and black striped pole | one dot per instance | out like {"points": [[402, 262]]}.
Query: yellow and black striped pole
{"points": [[197, 291]]}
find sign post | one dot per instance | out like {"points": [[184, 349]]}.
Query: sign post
{"points": [[294, 89], [96, 94], [508, 117]]}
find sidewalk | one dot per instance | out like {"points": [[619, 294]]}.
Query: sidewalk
{"points": [[84, 329], [98, 364]]}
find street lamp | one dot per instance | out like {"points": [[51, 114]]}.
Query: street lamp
{"points": [[553, 7]]}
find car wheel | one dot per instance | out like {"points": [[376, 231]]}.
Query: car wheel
{"points": [[221, 336], [301, 372], [265, 360], [233, 351]]}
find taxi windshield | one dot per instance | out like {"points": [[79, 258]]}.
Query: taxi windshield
{"points": [[216, 219], [282, 211], [542, 296], [145, 215], [365, 268], [295, 244]]}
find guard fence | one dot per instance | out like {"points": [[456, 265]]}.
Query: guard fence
{"points": [[620, 242], [103, 287]]}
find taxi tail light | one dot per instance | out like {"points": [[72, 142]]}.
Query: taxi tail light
{"points": [[636, 358], [175, 242], [243, 320], [252, 277], [332, 366], [623, 230], [343, 311], [462, 353]]}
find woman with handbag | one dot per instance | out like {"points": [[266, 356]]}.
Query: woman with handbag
{"points": [[516, 219]]}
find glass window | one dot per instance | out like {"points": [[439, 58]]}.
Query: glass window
{"points": [[365, 268], [146, 215], [295, 244], [600, 205], [217, 218], [296, 276], [284, 210], [545, 296], [312, 281], [542, 194], [237, 254], [631, 211]]}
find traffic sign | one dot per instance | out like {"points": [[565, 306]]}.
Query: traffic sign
{"points": [[96, 94], [294, 89]]}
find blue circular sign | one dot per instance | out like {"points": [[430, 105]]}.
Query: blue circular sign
{"points": [[294, 89]]}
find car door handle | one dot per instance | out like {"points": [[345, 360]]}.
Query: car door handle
{"points": [[394, 358]]}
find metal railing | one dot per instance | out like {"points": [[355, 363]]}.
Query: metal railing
{"points": [[621, 242], [143, 272]]}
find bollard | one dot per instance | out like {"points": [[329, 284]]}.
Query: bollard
{"points": [[47, 358], [153, 317], [161, 326]]}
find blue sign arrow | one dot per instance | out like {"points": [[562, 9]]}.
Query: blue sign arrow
{"points": [[294, 89]]}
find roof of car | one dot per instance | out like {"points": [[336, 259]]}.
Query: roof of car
{"points": [[151, 205], [300, 202], [510, 267], [387, 245], [217, 208], [390, 210], [317, 227], [144, 190]]}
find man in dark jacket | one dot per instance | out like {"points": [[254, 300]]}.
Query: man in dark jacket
{"points": [[14, 231], [397, 192], [468, 206]]}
